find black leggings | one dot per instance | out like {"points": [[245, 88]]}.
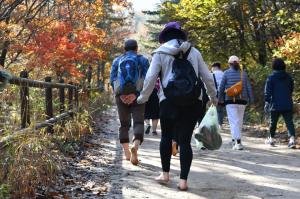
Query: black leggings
{"points": [[180, 121]]}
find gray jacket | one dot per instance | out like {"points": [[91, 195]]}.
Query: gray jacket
{"points": [[162, 63]]}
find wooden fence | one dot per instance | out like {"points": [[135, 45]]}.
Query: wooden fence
{"points": [[66, 110]]}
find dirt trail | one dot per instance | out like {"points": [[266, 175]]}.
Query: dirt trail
{"points": [[256, 172]]}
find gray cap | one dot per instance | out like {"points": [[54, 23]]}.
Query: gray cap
{"points": [[130, 43]]}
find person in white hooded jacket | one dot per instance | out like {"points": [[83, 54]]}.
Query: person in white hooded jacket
{"points": [[176, 119]]}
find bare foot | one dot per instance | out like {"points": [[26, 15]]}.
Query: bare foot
{"points": [[182, 185], [174, 148], [134, 156], [163, 178], [126, 151], [127, 154]]}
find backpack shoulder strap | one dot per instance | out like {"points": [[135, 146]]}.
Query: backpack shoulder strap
{"points": [[242, 73], [214, 76], [185, 56]]}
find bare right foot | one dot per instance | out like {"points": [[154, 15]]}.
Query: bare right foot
{"points": [[163, 178], [134, 156]]}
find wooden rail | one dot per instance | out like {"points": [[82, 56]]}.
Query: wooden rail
{"points": [[25, 84]]}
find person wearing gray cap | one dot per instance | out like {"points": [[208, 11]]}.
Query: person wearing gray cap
{"points": [[127, 75], [235, 104]]}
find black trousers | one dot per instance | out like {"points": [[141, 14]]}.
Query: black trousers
{"points": [[288, 118], [180, 121]]}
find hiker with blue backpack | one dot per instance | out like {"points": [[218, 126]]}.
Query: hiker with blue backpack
{"points": [[127, 75], [278, 101], [181, 70], [235, 92]]}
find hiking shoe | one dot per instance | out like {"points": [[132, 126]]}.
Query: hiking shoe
{"points": [[238, 147], [231, 142], [291, 145], [154, 133], [148, 130], [270, 141]]}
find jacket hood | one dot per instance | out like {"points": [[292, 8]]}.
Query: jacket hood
{"points": [[280, 74], [173, 47]]}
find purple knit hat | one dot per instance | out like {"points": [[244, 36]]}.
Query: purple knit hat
{"points": [[172, 27]]}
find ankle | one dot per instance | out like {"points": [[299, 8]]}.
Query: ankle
{"points": [[292, 139], [136, 144], [125, 146]]}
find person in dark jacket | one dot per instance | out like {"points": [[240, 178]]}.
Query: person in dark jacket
{"points": [[278, 100]]}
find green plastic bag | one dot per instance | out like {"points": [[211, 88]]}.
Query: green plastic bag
{"points": [[208, 132]]}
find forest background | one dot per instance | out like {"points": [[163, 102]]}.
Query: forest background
{"points": [[65, 39]]}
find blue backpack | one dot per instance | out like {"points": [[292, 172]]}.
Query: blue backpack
{"points": [[185, 87], [128, 74]]}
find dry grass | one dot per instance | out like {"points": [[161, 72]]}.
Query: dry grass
{"points": [[28, 162], [33, 160]]}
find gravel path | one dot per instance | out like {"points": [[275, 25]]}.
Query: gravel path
{"points": [[256, 172]]}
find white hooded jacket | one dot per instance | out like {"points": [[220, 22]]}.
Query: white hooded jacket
{"points": [[162, 63]]}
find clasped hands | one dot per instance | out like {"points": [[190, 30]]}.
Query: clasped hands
{"points": [[128, 99]]}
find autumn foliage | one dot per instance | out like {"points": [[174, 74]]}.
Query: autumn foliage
{"points": [[62, 48], [60, 38], [288, 47]]}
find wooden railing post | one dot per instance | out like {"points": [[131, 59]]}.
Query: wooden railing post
{"points": [[24, 94], [89, 79], [77, 97], [61, 98], [49, 104], [70, 99], [98, 74]]}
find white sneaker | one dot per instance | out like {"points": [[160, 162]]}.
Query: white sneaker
{"points": [[270, 141], [238, 147], [231, 143], [291, 143]]}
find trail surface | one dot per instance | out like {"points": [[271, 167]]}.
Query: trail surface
{"points": [[258, 172]]}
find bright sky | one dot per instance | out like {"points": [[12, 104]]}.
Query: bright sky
{"points": [[144, 4]]}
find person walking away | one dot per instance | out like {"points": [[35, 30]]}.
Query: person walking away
{"points": [[180, 67], [218, 75], [126, 77], [152, 110], [278, 101], [235, 92]]}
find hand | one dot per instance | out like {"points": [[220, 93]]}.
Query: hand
{"points": [[128, 99], [131, 98], [267, 107], [214, 101], [140, 100]]}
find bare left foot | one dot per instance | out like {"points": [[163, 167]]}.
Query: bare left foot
{"points": [[127, 154], [163, 178]]}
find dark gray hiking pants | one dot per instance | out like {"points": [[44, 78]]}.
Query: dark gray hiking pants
{"points": [[126, 112]]}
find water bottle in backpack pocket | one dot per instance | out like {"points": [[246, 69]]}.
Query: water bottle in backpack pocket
{"points": [[185, 87], [129, 72]]}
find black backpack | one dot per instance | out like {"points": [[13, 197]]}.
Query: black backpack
{"points": [[185, 87]]}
